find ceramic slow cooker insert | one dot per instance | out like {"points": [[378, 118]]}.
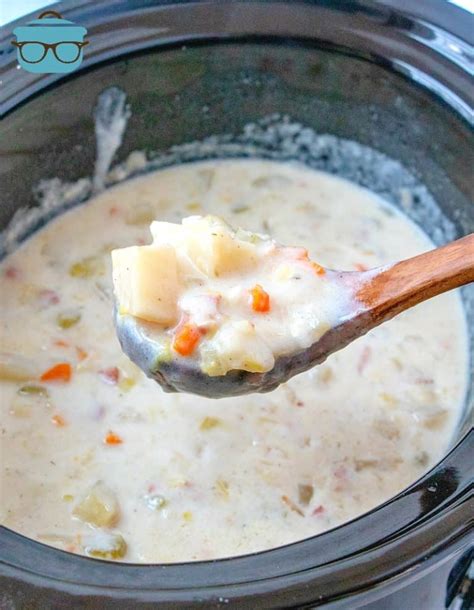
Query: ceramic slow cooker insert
{"points": [[369, 72]]}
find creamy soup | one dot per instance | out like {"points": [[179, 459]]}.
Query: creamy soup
{"points": [[96, 459], [223, 298]]}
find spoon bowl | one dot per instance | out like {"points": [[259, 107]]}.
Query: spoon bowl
{"points": [[186, 376], [379, 295]]}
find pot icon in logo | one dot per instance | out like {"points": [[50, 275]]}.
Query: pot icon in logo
{"points": [[50, 44]]}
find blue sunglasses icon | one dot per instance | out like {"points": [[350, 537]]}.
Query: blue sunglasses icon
{"points": [[33, 52], [50, 44]]}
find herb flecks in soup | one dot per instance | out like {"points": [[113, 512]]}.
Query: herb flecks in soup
{"points": [[96, 459]]}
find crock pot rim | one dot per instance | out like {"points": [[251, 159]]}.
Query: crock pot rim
{"points": [[461, 500], [30, 84]]}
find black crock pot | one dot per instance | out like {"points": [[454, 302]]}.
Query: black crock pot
{"points": [[393, 75]]}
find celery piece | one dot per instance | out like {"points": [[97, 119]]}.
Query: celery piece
{"points": [[87, 267], [305, 493], [105, 546], [209, 422], [66, 319], [33, 390]]}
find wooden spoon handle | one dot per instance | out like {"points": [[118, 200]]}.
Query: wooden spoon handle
{"points": [[417, 279]]}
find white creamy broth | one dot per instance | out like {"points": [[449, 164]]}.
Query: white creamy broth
{"points": [[190, 478]]}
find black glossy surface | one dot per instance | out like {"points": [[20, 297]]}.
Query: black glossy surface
{"points": [[327, 65]]}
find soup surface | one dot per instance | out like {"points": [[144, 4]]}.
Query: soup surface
{"points": [[96, 459]]}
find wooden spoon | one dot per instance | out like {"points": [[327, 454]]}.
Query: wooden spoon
{"points": [[380, 295]]}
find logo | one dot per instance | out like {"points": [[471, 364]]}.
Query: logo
{"points": [[50, 44]]}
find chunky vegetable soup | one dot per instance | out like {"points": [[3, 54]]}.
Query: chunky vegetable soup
{"points": [[97, 460]]}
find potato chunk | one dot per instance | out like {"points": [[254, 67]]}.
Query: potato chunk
{"points": [[169, 233], [236, 346], [215, 249], [209, 242], [99, 507], [146, 282]]}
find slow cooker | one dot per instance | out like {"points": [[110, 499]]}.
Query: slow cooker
{"points": [[392, 75]]}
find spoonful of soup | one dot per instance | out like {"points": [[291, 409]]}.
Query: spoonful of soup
{"points": [[217, 311]]}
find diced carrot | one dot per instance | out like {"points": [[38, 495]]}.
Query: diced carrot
{"points": [[319, 510], [58, 421], [81, 353], [112, 439], [60, 343], [296, 253], [360, 267], [301, 254], [260, 299], [294, 507], [58, 372], [319, 270], [186, 339]]}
